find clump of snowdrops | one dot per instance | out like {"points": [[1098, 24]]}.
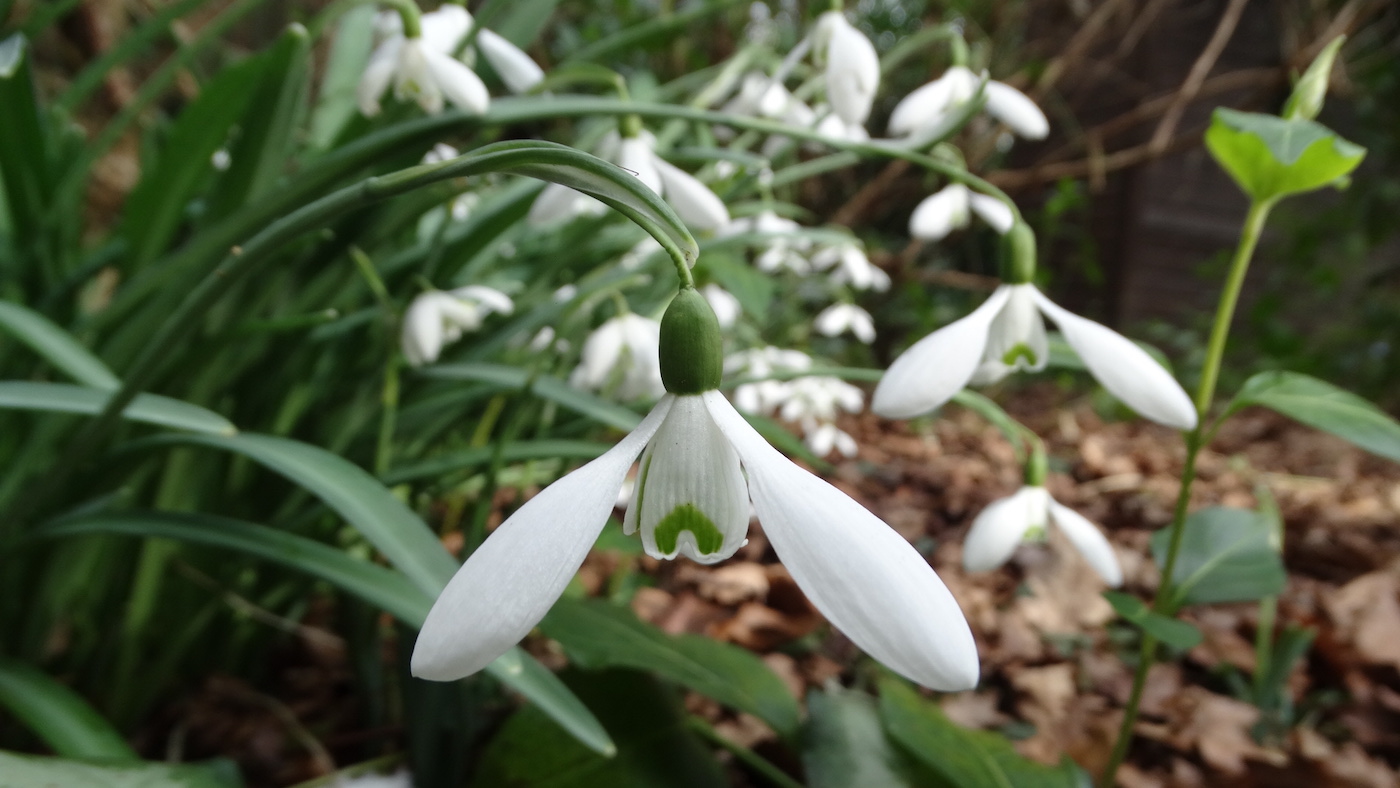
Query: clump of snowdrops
{"points": [[352, 296]]}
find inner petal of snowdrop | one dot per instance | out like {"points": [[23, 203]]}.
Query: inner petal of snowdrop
{"points": [[1037, 503], [1016, 339], [691, 496]]}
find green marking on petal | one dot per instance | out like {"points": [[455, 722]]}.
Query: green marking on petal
{"points": [[1021, 351], [688, 518], [1036, 533]]}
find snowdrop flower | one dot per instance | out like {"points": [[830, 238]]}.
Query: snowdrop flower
{"points": [[827, 437], [932, 106], [852, 67], [423, 68], [726, 306], [785, 250], [819, 398], [1005, 523], [764, 396], [850, 266], [695, 204], [950, 209], [839, 318], [622, 353], [701, 467], [435, 318], [1007, 333]]}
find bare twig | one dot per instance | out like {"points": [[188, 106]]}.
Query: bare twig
{"points": [[1196, 77]]}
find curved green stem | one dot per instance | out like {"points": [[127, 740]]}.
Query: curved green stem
{"points": [[1164, 601], [409, 13]]}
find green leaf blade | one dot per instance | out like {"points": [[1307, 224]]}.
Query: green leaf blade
{"points": [[599, 634], [1323, 406], [147, 408], [1271, 157], [58, 715], [1178, 634], [1226, 555], [59, 347]]}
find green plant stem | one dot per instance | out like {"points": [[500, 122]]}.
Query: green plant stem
{"points": [[389, 400], [748, 757], [1164, 602], [1264, 645]]}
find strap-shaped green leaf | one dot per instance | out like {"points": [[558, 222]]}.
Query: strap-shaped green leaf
{"points": [[24, 143], [598, 634], [146, 408], [385, 588], [1321, 405], [58, 346], [34, 771], [58, 715], [409, 545], [544, 386], [963, 758], [844, 745], [513, 452]]}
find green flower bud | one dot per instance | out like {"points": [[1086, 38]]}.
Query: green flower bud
{"points": [[1018, 255], [692, 352], [1311, 88]]}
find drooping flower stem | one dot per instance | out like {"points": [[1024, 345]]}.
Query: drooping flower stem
{"points": [[411, 16], [1164, 603]]}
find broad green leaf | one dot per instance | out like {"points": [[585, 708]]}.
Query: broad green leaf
{"points": [[598, 634], [513, 452], [382, 587], [269, 125], [58, 346], [24, 149], [1322, 405], [963, 758], [544, 386], [1174, 632], [33, 771], [844, 745], [335, 101], [1226, 555], [409, 545], [58, 715], [157, 206], [1270, 157], [654, 747], [147, 408]]}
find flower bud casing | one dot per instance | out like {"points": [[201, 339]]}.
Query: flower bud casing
{"points": [[691, 348], [1018, 255], [1311, 88]]}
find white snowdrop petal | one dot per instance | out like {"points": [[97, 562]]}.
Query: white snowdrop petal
{"points": [[556, 203], [923, 107], [997, 530], [444, 28], [377, 75], [726, 306], [518, 70], [1125, 369], [862, 575], [695, 204], [940, 213], [852, 71], [1016, 110], [420, 336], [993, 211], [691, 498], [511, 581], [938, 366], [1089, 541], [635, 155], [459, 84], [414, 78], [490, 299]]}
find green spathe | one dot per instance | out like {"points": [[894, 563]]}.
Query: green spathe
{"points": [[686, 517], [691, 350], [1018, 255]]}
